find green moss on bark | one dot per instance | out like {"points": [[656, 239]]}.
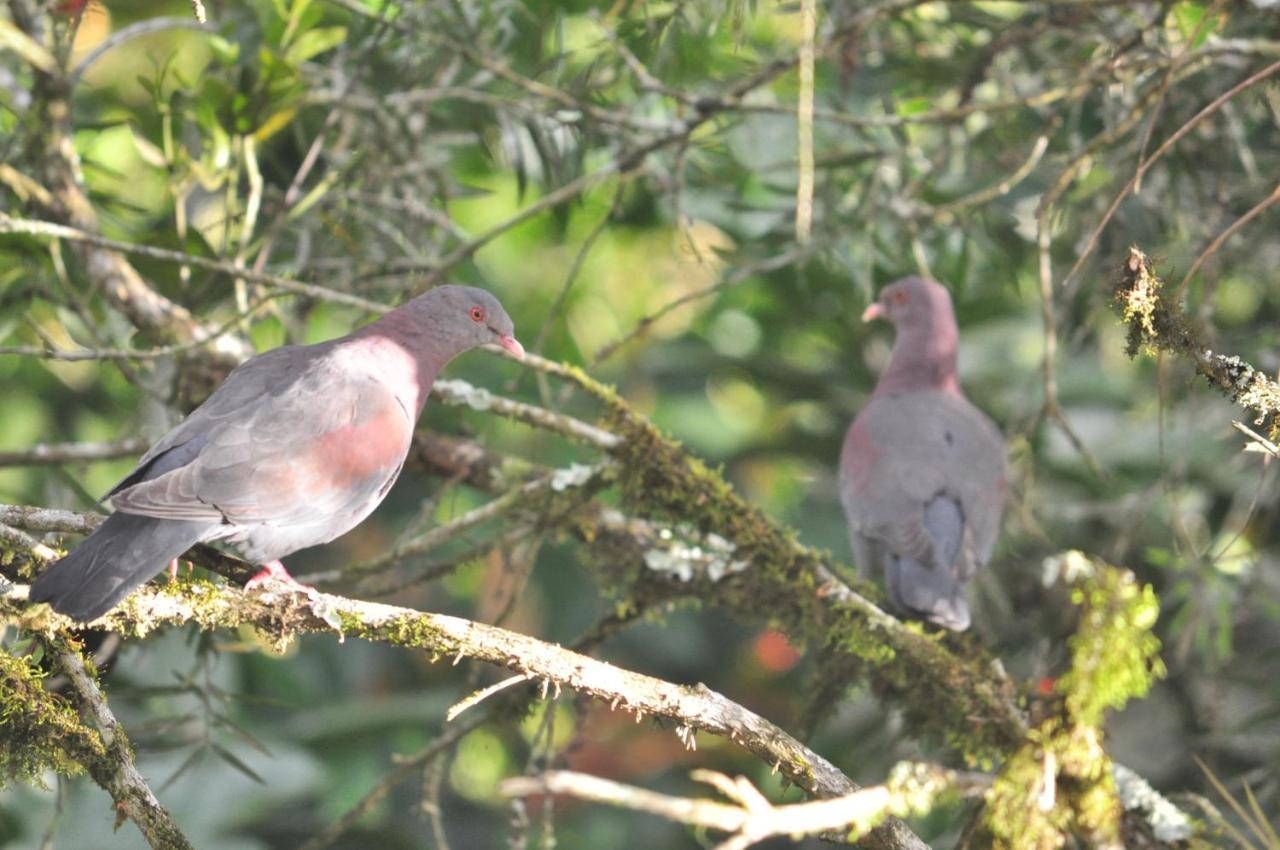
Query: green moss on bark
{"points": [[958, 700], [1060, 781], [39, 731], [1157, 322]]}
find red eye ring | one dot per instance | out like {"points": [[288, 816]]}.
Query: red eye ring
{"points": [[477, 314], [899, 298]]}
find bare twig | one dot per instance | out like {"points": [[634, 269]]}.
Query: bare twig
{"points": [[405, 768], [804, 122], [1213, 106], [59, 231], [47, 454], [460, 393], [1219, 240], [751, 818], [737, 275], [130, 32], [1259, 442]]}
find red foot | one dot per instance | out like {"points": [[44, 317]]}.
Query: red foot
{"points": [[275, 571], [173, 570]]}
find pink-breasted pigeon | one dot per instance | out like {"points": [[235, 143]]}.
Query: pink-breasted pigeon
{"points": [[295, 448], [922, 472]]}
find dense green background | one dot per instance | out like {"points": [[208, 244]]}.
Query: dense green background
{"points": [[454, 117]]}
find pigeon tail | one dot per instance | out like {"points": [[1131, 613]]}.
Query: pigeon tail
{"points": [[937, 592], [121, 554], [928, 593]]}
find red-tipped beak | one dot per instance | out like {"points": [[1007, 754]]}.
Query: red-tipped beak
{"points": [[513, 345], [875, 311]]}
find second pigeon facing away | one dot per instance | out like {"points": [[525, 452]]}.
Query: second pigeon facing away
{"points": [[922, 471], [294, 449]]}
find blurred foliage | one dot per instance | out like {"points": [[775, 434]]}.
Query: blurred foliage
{"points": [[376, 147]]}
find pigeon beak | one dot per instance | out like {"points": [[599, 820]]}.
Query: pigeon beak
{"points": [[875, 311], [512, 344]]}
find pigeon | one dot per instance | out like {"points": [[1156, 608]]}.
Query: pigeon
{"points": [[295, 448], [922, 471]]}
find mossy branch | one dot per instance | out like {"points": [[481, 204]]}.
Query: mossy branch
{"points": [[281, 614], [1061, 781], [964, 701], [1157, 322], [39, 731], [42, 731], [115, 770]]}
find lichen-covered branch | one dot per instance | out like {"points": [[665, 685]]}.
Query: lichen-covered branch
{"points": [[42, 731], [1061, 780], [963, 701], [281, 615], [1157, 322], [460, 393], [115, 770]]}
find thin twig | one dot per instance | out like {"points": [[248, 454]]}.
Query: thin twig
{"points": [[460, 393], [48, 454], [54, 230], [751, 818], [1213, 106], [1219, 240], [404, 769], [804, 122], [130, 32], [739, 274]]}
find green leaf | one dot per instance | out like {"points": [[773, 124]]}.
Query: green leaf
{"points": [[1188, 17], [274, 124], [389, 11], [908, 106], [225, 51], [314, 42]]}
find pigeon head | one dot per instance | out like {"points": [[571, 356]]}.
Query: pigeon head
{"points": [[458, 318], [913, 303], [924, 351]]}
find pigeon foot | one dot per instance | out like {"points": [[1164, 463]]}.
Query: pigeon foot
{"points": [[275, 571]]}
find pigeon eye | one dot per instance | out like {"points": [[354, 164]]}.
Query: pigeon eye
{"points": [[899, 298], [477, 314]]}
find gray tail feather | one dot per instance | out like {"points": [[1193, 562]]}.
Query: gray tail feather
{"points": [[119, 555], [935, 595]]}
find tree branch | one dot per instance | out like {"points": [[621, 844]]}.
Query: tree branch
{"points": [[49, 454], [1157, 322], [115, 771], [751, 818], [283, 614]]}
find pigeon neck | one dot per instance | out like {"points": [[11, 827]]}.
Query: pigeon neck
{"points": [[417, 349], [921, 362]]}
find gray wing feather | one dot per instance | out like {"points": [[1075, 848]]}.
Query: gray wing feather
{"points": [[923, 492], [254, 435]]}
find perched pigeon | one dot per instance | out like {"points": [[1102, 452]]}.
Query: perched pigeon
{"points": [[295, 448], [922, 470]]}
